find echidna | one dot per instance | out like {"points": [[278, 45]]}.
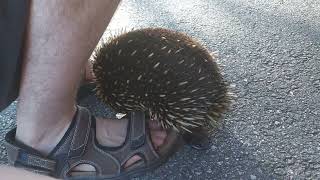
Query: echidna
{"points": [[163, 72]]}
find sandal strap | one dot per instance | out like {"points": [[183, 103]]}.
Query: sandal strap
{"points": [[81, 133], [71, 148], [138, 141], [138, 132], [26, 159], [79, 146]]}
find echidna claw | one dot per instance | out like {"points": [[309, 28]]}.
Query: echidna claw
{"points": [[198, 139], [198, 143]]}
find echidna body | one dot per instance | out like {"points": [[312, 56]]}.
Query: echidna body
{"points": [[163, 72]]}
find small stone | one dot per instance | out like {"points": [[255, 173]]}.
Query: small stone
{"points": [[253, 177], [233, 85], [255, 122], [280, 171], [290, 93], [213, 147]]}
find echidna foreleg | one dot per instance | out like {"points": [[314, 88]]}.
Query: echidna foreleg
{"points": [[198, 139]]}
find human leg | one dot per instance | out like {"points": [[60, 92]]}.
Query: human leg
{"points": [[60, 38]]}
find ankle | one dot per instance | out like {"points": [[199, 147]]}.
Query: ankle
{"points": [[44, 137]]}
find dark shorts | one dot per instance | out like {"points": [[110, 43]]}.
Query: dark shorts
{"points": [[13, 18]]}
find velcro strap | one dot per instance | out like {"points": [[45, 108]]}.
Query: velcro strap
{"points": [[22, 158], [138, 129], [81, 133]]}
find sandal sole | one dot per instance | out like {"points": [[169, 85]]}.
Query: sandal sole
{"points": [[137, 172]]}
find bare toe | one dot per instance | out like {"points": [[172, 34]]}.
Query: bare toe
{"points": [[158, 137], [132, 160]]}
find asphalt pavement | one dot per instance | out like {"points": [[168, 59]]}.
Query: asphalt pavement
{"points": [[269, 53]]}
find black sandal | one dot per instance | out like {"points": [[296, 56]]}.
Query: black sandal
{"points": [[79, 146]]}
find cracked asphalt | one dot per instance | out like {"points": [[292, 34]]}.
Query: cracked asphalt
{"points": [[269, 52]]}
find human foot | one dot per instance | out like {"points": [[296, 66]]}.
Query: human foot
{"points": [[109, 133], [113, 132], [80, 146]]}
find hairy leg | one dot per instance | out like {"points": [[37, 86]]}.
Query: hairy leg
{"points": [[60, 38]]}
